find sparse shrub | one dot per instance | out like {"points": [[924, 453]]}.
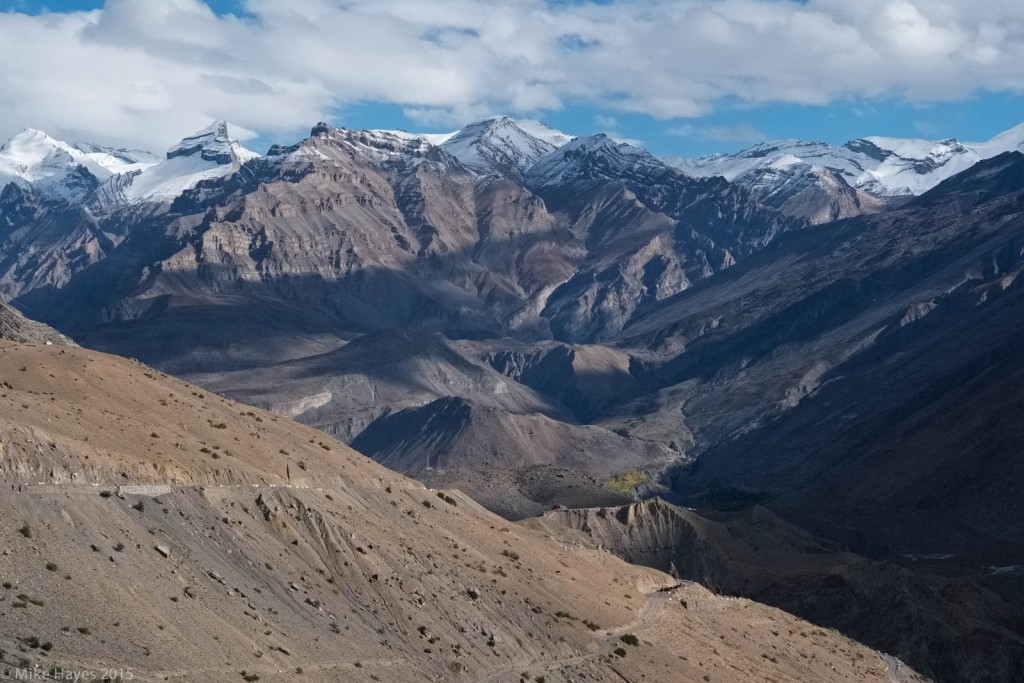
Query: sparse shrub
{"points": [[629, 639], [51, 567], [446, 498], [619, 652], [119, 546], [139, 505], [249, 677], [26, 531], [510, 554]]}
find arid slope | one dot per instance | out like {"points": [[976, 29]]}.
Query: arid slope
{"points": [[151, 526]]}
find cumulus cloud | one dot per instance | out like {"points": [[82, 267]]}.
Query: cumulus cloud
{"points": [[144, 72]]}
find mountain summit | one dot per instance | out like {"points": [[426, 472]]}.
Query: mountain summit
{"points": [[213, 143], [62, 170], [504, 146], [208, 153]]}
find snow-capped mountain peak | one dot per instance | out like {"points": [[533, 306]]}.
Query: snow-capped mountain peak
{"points": [[497, 145], [209, 153], [57, 169], [883, 166], [67, 171], [213, 143], [544, 132], [503, 145], [387, 148], [593, 157], [28, 153]]}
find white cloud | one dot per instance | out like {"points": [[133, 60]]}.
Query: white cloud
{"points": [[145, 72]]}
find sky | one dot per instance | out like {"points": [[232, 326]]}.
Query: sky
{"points": [[686, 77]]}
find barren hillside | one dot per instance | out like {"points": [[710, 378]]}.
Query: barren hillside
{"points": [[151, 526]]}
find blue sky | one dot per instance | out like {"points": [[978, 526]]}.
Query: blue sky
{"points": [[685, 77]]}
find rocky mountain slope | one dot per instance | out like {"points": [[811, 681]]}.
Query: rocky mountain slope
{"points": [[961, 633], [839, 352], [434, 409], [17, 328], [167, 533]]}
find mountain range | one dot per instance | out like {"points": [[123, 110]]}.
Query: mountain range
{"points": [[825, 333]]}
